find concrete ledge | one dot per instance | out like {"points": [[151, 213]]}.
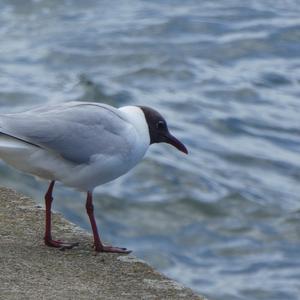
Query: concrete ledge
{"points": [[30, 270]]}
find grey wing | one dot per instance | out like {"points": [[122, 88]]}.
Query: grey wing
{"points": [[75, 132]]}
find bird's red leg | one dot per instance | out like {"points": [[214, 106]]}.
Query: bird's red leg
{"points": [[48, 237], [99, 247]]}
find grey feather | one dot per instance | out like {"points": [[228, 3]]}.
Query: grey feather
{"points": [[74, 130]]}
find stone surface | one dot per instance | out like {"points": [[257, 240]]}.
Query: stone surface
{"points": [[30, 270]]}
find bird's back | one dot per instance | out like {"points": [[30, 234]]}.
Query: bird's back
{"points": [[75, 130]]}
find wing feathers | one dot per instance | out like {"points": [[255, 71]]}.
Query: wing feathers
{"points": [[76, 131]]}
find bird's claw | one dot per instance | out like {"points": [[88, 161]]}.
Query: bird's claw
{"points": [[61, 245], [110, 249]]}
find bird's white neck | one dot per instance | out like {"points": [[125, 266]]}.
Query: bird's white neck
{"points": [[137, 118]]}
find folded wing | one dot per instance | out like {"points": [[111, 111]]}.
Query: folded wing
{"points": [[76, 130]]}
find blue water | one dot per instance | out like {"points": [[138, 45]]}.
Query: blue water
{"points": [[224, 220]]}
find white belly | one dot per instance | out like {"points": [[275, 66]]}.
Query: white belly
{"points": [[48, 165]]}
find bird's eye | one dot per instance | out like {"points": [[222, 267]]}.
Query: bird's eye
{"points": [[160, 125]]}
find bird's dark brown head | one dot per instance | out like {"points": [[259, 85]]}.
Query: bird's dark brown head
{"points": [[158, 129]]}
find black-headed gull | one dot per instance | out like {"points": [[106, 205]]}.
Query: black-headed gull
{"points": [[82, 145]]}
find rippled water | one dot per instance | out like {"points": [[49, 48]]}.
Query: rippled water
{"points": [[224, 220]]}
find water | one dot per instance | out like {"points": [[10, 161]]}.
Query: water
{"points": [[224, 220]]}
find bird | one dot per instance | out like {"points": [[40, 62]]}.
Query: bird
{"points": [[82, 145]]}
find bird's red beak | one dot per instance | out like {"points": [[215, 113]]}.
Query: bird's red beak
{"points": [[172, 140]]}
